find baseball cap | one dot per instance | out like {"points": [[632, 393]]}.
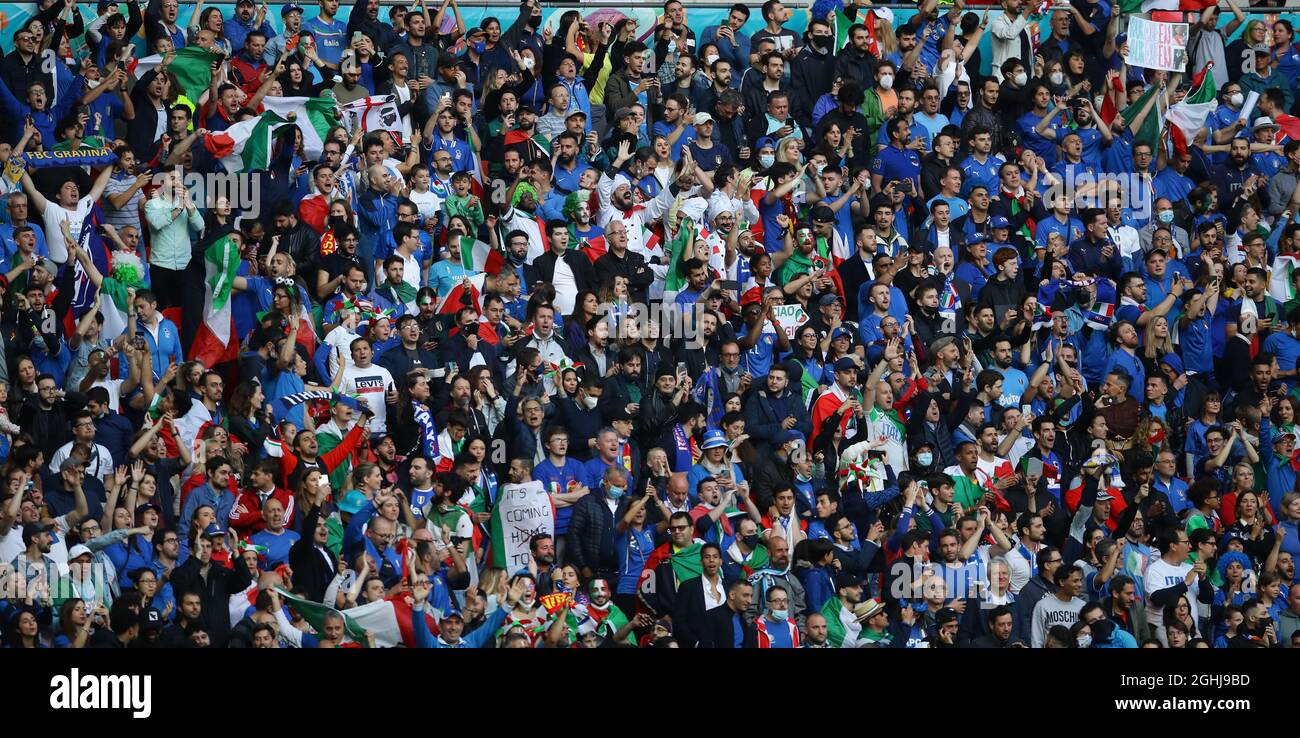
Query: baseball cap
{"points": [[714, 439], [845, 364], [841, 332], [290, 8], [31, 530], [70, 463], [243, 2], [213, 531], [822, 213], [998, 221], [1279, 437], [847, 579], [576, 114], [787, 436], [1103, 496], [765, 142], [830, 298], [884, 14], [147, 506], [702, 118], [352, 502], [945, 615], [453, 613], [79, 550], [1261, 49], [151, 619], [619, 413]]}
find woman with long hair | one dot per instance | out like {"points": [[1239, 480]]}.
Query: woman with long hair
{"points": [[75, 625], [209, 19], [313, 490], [1239, 50], [1284, 417], [23, 630], [296, 81], [1156, 344], [1207, 416], [585, 307], [249, 422], [1183, 613], [1253, 525]]}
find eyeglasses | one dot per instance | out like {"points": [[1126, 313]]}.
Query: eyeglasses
{"points": [[679, 528]]}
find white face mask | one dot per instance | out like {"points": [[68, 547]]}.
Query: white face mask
{"points": [[1020, 79], [1236, 100], [590, 402], [886, 81], [708, 60], [1085, 641], [1057, 78]]}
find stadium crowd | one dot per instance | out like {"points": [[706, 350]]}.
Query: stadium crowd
{"points": [[804, 329]]}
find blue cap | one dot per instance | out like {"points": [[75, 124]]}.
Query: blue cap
{"points": [[976, 238], [845, 364], [765, 142], [213, 531], [714, 439], [998, 221], [841, 331], [352, 502], [787, 436], [290, 8]]}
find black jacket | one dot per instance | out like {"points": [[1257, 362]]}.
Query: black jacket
{"points": [[811, 76], [591, 534], [583, 273], [630, 265], [312, 572], [214, 590], [688, 611], [717, 629]]}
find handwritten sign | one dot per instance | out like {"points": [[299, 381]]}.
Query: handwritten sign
{"points": [[1157, 45], [522, 511], [789, 317]]}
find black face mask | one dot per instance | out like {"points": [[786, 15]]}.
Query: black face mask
{"points": [[820, 42], [750, 541]]}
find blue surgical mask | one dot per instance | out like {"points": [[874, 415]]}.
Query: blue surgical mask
{"points": [[925, 458], [803, 477], [479, 47], [1165, 216], [614, 492], [780, 615], [766, 160]]}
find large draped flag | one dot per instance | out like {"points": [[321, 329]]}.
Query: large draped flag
{"points": [[246, 146], [1188, 117], [389, 620], [479, 257], [842, 628], [314, 116], [216, 341]]}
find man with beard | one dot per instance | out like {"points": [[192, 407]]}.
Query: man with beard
{"points": [[625, 87], [617, 261], [618, 202], [774, 410], [568, 270], [598, 357], [584, 235], [842, 401]]}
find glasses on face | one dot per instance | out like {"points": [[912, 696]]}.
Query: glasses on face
{"points": [[1054, 561], [679, 528]]}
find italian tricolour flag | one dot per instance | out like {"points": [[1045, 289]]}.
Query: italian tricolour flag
{"points": [[216, 341], [1188, 117], [389, 620], [1147, 6], [842, 628], [479, 257], [314, 116]]}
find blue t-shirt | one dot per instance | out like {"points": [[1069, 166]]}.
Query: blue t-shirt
{"points": [[277, 546], [634, 548], [331, 38]]}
